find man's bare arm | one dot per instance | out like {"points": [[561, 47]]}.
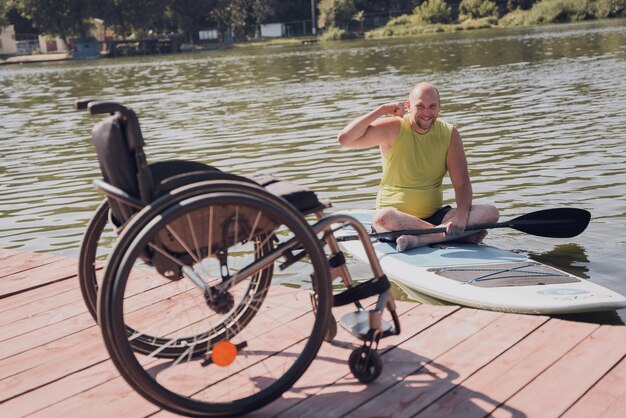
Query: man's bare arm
{"points": [[367, 131], [456, 162]]}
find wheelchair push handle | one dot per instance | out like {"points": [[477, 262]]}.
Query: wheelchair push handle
{"points": [[98, 107], [81, 104]]}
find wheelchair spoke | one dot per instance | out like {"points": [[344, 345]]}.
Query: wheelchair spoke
{"points": [[196, 245], [182, 243], [166, 254], [254, 226]]}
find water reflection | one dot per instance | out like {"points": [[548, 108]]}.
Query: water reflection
{"points": [[571, 258]]}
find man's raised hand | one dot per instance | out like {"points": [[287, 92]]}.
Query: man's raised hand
{"points": [[394, 108]]}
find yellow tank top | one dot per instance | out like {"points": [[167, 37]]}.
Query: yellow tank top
{"points": [[413, 170]]}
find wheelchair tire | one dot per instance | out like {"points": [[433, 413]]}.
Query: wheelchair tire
{"points": [[87, 276], [162, 334]]}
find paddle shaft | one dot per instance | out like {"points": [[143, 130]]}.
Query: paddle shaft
{"points": [[392, 234], [476, 227], [553, 223]]}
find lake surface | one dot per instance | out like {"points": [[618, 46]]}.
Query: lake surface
{"points": [[541, 111]]}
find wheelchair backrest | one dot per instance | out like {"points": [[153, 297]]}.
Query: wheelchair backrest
{"points": [[118, 164], [119, 146]]}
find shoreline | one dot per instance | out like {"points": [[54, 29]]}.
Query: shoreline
{"points": [[37, 58], [374, 34]]}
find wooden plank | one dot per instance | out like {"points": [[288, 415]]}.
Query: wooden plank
{"points": [[32, 339], [606, 399], [399, 362], [58, 390], [467, 363], [26, 352], [41, 294], [114, 398], [47, 328], [39, 276], [445, 372], [552, 393], [486, 389], [62, 389], [16, 262], [37, 367], [28, 309], [285, 318], [6, 253], [331, 363], [43, 318]]}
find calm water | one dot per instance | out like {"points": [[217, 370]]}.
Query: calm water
{"points": [[541, 111]]}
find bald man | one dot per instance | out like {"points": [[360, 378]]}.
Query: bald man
{"points": [[417, 150]]}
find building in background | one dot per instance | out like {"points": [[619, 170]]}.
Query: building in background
{"points": [[272, 30], [7, 40], [12, 43]]}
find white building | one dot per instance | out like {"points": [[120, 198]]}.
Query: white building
{"points": [[7, 40], [273, 30], [208, 35], [50, 46], [16, 44]]}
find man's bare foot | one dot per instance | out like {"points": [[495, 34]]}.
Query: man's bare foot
{"points": [[476, 238], [406, 242]]}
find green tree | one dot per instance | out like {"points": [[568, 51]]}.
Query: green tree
{"points": [[476, 9], [434, 11], [132, 17], [609, 8], [385, 6], [232, 15], [519, 4], [263, 10], [189, 16], [63, 18], [289, 11], [243, 17], [5, 6], [335, 13]]}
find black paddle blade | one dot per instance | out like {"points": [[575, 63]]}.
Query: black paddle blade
{"points": [[553, 223]]}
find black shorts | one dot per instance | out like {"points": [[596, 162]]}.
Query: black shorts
{"points": [[437, 217]]}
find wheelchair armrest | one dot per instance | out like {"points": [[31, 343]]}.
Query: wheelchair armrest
{"points": [[117, 194], [100, 107]]}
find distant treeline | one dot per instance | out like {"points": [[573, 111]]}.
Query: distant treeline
{"points": [[242, 18]]}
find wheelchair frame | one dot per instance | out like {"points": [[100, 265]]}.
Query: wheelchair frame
{"points": [[146, 214]]}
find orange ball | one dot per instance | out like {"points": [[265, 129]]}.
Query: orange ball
{"points": [[224, 353]]}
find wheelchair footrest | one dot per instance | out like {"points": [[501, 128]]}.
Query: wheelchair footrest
{"points": [[358, 324]]}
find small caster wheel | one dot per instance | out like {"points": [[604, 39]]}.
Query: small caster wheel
{"points": [[365, 364], [331, 330]]}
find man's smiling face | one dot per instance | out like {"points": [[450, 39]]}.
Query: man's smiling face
{"points": [[423, 108]]}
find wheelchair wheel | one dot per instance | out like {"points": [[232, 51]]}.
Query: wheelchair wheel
{"points": [[204, 327], [97, 241], [365, 364]]}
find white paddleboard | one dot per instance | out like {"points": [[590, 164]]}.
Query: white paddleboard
{"points": [[485, 277]]}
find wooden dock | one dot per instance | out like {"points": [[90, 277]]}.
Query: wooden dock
{"points": [[448, 361]]}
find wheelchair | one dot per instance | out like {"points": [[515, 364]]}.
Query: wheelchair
{"points": [[217, 290]]}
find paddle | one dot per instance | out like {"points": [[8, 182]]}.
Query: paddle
{"points": [[551, 223]]}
